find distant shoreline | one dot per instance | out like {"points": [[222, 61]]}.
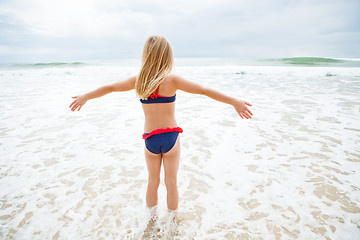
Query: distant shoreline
{"points": [[218, 61]]}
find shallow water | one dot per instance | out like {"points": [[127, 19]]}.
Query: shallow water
{"points": [[291, 172]]}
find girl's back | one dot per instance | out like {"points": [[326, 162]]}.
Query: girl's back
{"points": [[161, 115]]}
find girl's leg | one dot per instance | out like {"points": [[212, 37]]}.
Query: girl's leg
{"points": [[153, 162], [171, 165]]}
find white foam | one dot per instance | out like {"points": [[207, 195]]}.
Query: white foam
{"points": [[291, 171]]}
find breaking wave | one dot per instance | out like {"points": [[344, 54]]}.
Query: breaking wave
{"points": [[51, 64], [317, 61]]}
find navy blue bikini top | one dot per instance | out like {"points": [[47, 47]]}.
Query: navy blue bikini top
{"points": [[156, 98]]}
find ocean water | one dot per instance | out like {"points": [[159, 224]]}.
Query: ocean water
{"points": [[291, 172]]}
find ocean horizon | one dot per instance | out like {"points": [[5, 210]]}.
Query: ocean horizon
{"points": [[203, 61]]}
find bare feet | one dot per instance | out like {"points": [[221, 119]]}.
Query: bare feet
{"points": [[153, 214]]}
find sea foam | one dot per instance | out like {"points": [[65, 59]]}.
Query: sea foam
{"points": [[290, 172]]}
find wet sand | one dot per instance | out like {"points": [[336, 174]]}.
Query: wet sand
{"points": [[289, 173]]}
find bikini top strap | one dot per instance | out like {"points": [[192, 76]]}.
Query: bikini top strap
{"points": [[157, 90]]}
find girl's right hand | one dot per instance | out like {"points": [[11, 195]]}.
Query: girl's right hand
{"points": [[78, 102]]}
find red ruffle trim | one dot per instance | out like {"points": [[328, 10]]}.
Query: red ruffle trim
{"points": [[158, 131]]}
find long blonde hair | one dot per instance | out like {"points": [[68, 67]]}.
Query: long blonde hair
{"points": [[157, 62]]}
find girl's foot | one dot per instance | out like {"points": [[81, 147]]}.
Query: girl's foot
{"points": [[172, 214], [153, 214]]}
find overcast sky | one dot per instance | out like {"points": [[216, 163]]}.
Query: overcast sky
{"points": [[78, 30]]}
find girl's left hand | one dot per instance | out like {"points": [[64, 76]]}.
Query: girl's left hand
{"points": [[242, 109], [78, 102]]}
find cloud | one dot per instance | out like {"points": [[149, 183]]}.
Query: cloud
{"points": [[101, 29], [75, 18]]}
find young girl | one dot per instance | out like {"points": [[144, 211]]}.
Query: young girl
{"points": [[156, 88]]}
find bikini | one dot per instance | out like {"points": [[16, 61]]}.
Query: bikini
{"points": [[160, 140]]}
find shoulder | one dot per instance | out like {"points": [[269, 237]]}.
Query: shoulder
{"points": [[186, 85], [130, 82], [132, 79], [175, 79]]}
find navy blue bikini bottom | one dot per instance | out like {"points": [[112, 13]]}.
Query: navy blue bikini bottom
{"points": [[161, 140]]}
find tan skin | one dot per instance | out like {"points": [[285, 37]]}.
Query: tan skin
{"points": [[161, 115]]}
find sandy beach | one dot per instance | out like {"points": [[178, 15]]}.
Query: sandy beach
{"points": [[291, 172]]}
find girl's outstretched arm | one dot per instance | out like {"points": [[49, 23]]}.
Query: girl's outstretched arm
{"points": [[191, 87], [122, 86]]}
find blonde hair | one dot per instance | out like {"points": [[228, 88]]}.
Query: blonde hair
{"points": [[157, 62]]}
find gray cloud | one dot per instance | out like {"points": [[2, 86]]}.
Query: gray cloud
{"points": [[38, 30]]}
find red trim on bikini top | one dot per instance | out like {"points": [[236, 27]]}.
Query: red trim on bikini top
{"points": [[158, 131], [155, 95]]}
